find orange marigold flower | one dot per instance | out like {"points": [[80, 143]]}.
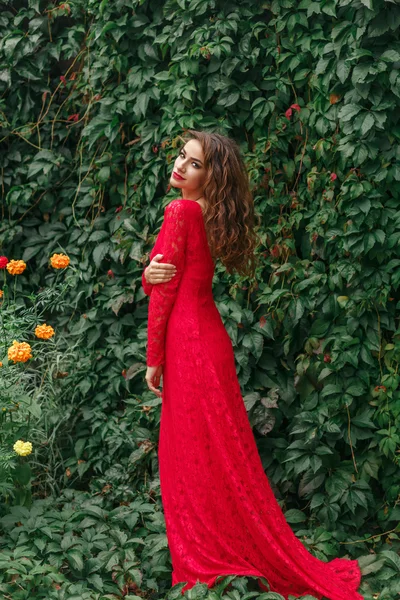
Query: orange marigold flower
{"points": [[16, 267], [1, 293], [19, 352], [59, 261], [44, 331], [1, 364]]}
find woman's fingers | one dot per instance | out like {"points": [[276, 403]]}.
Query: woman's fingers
{"points": [[161, 267], [160, 272], [153, 377], [152, 387]]}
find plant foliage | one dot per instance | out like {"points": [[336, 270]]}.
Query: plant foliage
{"points": [[93, 97]]}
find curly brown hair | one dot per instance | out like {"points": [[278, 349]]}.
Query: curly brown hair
{"points": [[229, 215]]}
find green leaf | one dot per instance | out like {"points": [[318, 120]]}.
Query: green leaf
{"points": [[98, 236], [75, 559], [331, 388], [342, 70], [96, 581], [35, 409], [100, 252], [319, 328], [79, 447], [142, 104], [229, 100], [295, 516], [364, 205], [250, 400], [390, 55], [104, 174], [93, 511], [22, 473], [348, 111], [360, 73], [392, 559], [380, 236], [254, 342], [363, 420], [367, 123], [31, 252], [356, 389]]}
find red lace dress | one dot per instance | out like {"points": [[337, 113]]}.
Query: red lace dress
{"points": [[221, 515]]}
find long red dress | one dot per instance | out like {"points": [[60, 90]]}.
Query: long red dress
{"points": [[221, 515]]}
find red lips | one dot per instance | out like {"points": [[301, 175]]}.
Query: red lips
{"points": [[176, 176]]}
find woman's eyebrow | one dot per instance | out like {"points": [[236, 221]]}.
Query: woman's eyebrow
{"points": [[198, 160]]}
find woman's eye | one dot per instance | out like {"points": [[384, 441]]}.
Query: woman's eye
{"points": [[193, 163]]}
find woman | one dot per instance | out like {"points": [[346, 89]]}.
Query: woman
{"points": [[221, 515]]}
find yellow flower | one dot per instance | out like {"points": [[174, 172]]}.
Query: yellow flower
{"points": [[1, 293], [16, 267], [59, 261], [19, 352], [22, 448], [44, 331], [1, 364]]}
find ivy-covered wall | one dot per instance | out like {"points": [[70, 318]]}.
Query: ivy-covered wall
{"points": [[93, 96]]}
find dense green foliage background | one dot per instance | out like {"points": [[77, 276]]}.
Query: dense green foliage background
{"points": [[93, 95]]}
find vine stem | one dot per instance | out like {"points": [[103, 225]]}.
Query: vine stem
{"points": [[81, 181], [301, 160], [372, 537], [348, 433], [33, 205], [59, 85]]}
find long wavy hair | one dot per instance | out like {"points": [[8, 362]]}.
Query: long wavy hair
{"points": [[229, 216]]}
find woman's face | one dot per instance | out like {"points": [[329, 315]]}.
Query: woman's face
{"points": [[189, 164]]}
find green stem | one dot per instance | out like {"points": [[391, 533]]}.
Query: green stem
{"points": [[3, 330]]}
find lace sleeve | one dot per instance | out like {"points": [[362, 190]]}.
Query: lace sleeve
{"points": [[147, 287], [163, 294], [145, 284]]}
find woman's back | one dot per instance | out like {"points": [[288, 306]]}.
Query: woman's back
{"points": [[183, 309]]}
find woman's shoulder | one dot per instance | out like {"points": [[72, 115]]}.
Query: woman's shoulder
{"points": [[181, 206]]}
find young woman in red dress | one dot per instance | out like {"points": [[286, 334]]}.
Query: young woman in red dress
{"points": [[221, 515]]}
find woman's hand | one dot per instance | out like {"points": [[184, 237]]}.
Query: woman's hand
{"points": [[153, 375], [159, 272]]}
